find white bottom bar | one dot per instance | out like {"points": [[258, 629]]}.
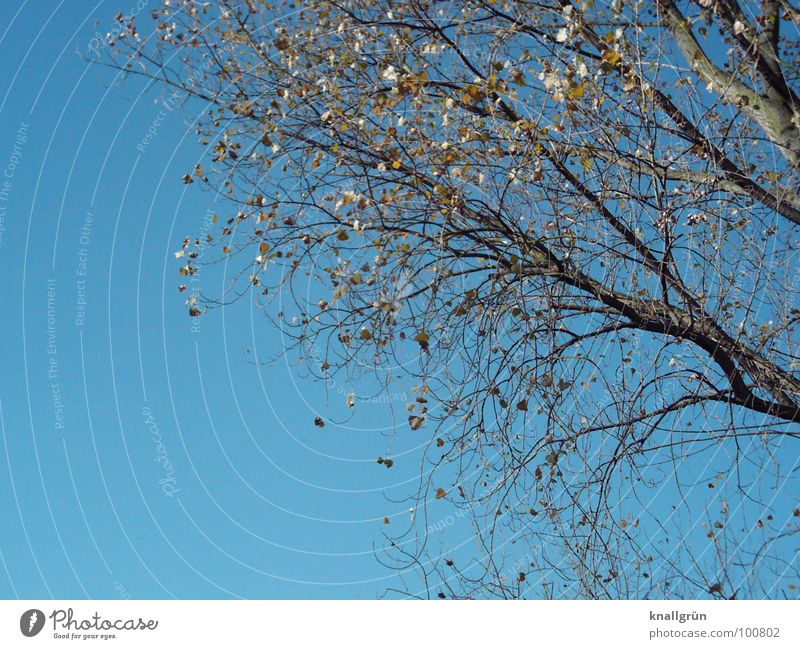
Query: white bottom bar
{"points": [[398, 624]]}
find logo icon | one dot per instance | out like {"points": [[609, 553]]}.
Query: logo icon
{"points": [[31, 622]]}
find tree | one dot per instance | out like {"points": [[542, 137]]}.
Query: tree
{"points": [[573, 224]]}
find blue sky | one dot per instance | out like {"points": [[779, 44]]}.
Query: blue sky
{"points": [[245, 497], [147, 455]]}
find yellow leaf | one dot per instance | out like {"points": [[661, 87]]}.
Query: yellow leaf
{"points": [[422, 338], [578, 91], [397, 164]]}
